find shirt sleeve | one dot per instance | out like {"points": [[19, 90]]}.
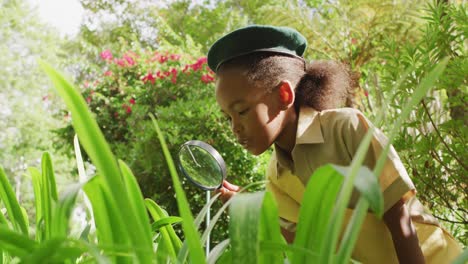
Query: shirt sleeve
{"points": [[394, 181]]}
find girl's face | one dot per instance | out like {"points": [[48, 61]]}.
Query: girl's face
{"points": [[254, 113]]}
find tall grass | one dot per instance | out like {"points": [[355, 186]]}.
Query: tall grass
{"points": [[125, 234]]}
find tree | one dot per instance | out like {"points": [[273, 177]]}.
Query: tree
{"points": [[27, 105]]}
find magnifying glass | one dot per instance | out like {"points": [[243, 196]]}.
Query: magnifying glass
{"points": [[202, 165]]}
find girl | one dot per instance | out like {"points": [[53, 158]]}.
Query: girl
{"points": [[273, 97]]}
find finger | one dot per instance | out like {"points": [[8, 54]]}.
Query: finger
{"points": [[230, 186]]}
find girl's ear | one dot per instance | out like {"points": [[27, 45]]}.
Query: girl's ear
{"points": [[286, 94]]}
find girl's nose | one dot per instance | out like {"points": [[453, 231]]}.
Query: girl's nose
{"points": [[235, 126]]}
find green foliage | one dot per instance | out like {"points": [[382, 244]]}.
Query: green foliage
{"points": [[431, 142]]}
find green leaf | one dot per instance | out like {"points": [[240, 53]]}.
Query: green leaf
{"points": [[111, 230], [368, 186], [315, 214], [352, 230], [269, 230], [37, 186], [287, 248], [169, 220], [191, 234], [11, 203], [169, 243], [218, 251], [462, 259], [54, 250], [48, 194], [136, 198], [61, 213], [17, 245], [253, 219], [244, 221]]}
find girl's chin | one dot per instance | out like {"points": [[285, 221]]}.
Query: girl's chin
{"points": [[254, 150]]}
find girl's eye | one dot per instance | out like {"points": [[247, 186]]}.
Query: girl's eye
{"points": [[243, 112]]}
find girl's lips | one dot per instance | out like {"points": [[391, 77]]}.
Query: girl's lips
{"points": [[243, 142]]}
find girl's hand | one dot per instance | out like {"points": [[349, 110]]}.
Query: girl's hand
{"points": [[227, 191]]}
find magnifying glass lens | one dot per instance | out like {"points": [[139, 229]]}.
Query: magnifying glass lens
{"points": [[199, 166]]}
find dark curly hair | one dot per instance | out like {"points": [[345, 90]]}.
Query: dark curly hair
{"points": [[318, 84]]}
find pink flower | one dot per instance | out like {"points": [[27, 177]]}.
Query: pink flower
{"points": [[132, 101], [88, 99], [149, 78], [199, 64], [45, 97], [162, 59], [159, 75], [106, 55], [174, 75], [206, 78], [186, 67], [130, 61], [174, 57], [127, 108], [108, 73], [366, 93], [354, 41], [120, 62]]}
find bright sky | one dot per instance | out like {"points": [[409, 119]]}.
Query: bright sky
{"points": [[65, 15]]}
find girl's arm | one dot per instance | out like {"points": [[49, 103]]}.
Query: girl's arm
{"points": [[405, 239]]}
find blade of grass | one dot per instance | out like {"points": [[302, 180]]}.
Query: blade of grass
{"points": [[169, 244], [99, 151], [12, 205], [83, 177], [217, 251], [36, 178], [315, 214], [244, 213], [368, 186], [16, 244], [110, 229], [136, 198], [169, 220], [284, 247], [193, 238], [48, 194], [61, 213], [269, 230], [352, 230]]}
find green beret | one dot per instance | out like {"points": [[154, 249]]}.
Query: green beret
{"points": [[256, 38]]}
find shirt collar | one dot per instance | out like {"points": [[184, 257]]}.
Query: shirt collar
{"points": [[308, 132], [308, 127]]}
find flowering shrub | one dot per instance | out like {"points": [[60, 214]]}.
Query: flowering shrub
{"points": [[139, 81]]}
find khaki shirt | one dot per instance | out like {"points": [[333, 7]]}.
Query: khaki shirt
{"points": [[333, 136]]}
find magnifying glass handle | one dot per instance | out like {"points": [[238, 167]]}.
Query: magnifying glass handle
{"points": [[208, 198]]}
